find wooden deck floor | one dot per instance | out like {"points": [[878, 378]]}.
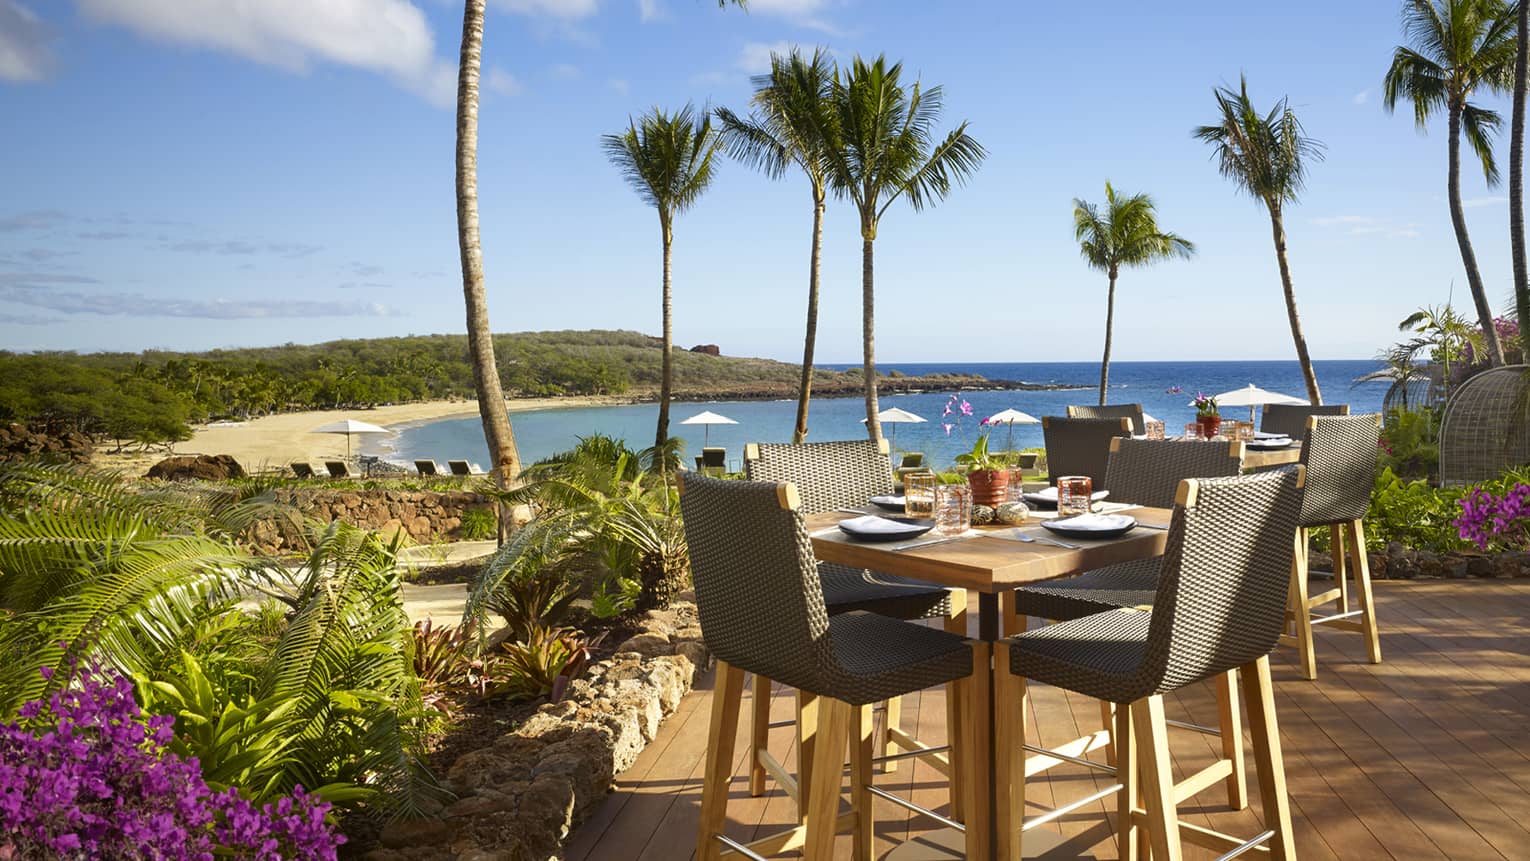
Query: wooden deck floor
{"points": [[1426, 755]]}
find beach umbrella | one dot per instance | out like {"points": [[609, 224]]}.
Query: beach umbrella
{"points": [[348, 427], [1253, 396], [708, 419], [894, 416], [1012, 418]]}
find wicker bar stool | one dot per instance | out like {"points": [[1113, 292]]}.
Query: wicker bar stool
{"points": [[1081, 446], [1144, 472], [1112, 411], [844, 474], [762, 611], [1291, 419], [1219, 606], [1340, 455]]}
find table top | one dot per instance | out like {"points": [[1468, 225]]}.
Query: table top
{"points": [[991, 562]]}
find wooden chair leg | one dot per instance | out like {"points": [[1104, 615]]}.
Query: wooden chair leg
{"points": [[1362, 569], [1336, 549], [862, 749], [1010, 617], [1108, 723], [1259, 693], [1302, 616], [956, 623], [727, 694], [1157, 778], [807, 735], [979, 716], [892, 717], [1011, 713], [833, 729], [1232, 739], [759, 734], [1126, 775]]}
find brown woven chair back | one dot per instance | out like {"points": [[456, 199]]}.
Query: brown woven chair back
{"points": [[1291, 419], [1111, 411], [1148, 471], [1221, 599], [1340, 455], [757, 589], [829, 475], [1081, 446]]}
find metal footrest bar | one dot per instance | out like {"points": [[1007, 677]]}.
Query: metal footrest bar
{"points": [[1335, 617], [909, 805], [1076, 760], [1248, 846], [1193, 726], [1059, 812], [738, 847], [777, 724], [910, 754]]}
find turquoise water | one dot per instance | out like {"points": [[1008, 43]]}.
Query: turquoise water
{"points": [[541, 433]]}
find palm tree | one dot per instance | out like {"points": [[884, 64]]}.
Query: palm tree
{"points": [[887, 150], [1126, 234], [791, 125], [1461, 46], [491, 395], [1516, 172], [1266, 155], [667, 159]]}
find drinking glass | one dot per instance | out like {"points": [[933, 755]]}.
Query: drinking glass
{"points": [[919, 494], [1155, 430], [953, 508], [1073, 493], [1245, 431], [1016, 489], [1192, 430]]}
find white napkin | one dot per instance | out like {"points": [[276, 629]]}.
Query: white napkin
{"points": [[1097, 522], [1050, 495], [879, 525]]}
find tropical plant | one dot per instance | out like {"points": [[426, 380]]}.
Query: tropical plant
{"points": [[1444, 335], [477, 524], [1125, 234], [1205, 405], [1410, 442], [444, 664], [667, 158], [979, 459], [1498, 521], [498, 433], [886, 149], [1517, 164], [1266, 155], [1457, 48], [540, 665], [792, 124]]}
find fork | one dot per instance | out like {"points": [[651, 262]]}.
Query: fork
{"points": [[1019, 536]]}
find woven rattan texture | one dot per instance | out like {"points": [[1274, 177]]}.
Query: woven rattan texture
{"points": [[1148, 471], [1079, 446], [1486, 427], [1340, 455], [829, 475], [1111, 411], [1291, 419]]}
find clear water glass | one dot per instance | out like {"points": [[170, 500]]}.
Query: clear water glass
{"points": [[953, 508], [1155, 430], [1192, 430], [1073, 492], [919, 494], [1016, 490]]}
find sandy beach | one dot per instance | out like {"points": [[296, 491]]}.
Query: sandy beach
{"points": [[274, 441]]}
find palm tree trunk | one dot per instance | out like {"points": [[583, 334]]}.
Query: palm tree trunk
{"points": [[868, 334], [666, 367], [1278, 228], [1110, 316], [1468, 256], [805, 389], [491, 397], [1517, 184]]}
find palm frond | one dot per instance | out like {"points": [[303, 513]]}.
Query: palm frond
{"points": [[1478, 125]]}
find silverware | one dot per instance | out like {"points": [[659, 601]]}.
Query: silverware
{"points": [[852, 511], [1152, 525], [1030, 539], [926, 543]]}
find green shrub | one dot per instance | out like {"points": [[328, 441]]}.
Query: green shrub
{"points": [[1410, 443], [478, 524]]}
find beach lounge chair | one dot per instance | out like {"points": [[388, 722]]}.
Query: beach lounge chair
{"points": [[428, 468], [913, 461], [303, 469], [462, 468], [713, 461], [340, 469]]}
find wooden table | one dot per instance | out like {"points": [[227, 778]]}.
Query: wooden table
{"points": [[989, 565], [1263, 459]]}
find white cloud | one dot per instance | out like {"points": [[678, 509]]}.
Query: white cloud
{"points": [[1474, 202], [568, 9], [755, 56], [391, 37], [1361, 97], [649, 9], [24, 52], [111, 304], [1341, 220], [502, 82], [564, 71], [803, 12], [1365, 225]]}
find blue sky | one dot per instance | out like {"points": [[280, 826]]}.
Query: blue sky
{"points": [[189, 174]]}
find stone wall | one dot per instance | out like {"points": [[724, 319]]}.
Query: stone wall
{"points": [[19, 443], [1404, 563], [422, 514], [521, 797]]}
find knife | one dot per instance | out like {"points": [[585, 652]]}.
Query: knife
{"points": [[911, 545]]}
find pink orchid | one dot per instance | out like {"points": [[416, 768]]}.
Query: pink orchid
{"points": [[948, 428], [966, 408]]}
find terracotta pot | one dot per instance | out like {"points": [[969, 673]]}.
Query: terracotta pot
{"points": [[989, 486], [1209, 426]]}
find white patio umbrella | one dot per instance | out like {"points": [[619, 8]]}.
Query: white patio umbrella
{"points": [[1253, 396], [708, 419], [348, 427], [895, 416], [1012, 417]]}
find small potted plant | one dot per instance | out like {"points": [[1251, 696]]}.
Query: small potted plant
{"points": [[1207, 416], [985, 473]]}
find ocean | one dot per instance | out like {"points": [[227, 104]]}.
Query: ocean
{"points": [[544, 432]]}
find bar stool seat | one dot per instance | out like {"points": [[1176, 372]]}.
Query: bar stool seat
{"points": [[1129, 584], [846, 589]]}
